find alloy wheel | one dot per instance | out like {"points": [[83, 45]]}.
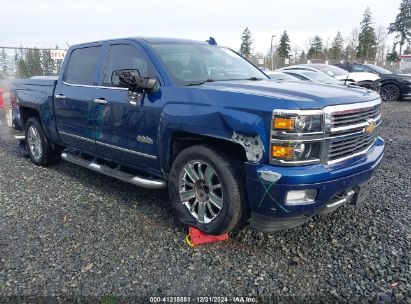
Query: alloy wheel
{"points": [[201, 191], [389, 92], [34, 142]]}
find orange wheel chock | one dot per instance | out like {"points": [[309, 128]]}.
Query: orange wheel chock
{"points": [[196, 237]]}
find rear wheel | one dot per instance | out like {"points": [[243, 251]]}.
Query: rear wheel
{"points": [[205, 190], [39, 149], [390, 92]]}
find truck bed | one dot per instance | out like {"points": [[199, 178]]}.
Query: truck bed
{"points": [[35, 93]]}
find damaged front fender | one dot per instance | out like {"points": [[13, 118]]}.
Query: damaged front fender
{"points": [[253, 146]]}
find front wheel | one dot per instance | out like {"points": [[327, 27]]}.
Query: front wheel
{"points": [[205, 190], [390, 92]]}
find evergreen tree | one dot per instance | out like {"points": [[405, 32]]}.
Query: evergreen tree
{"points": [[48, 64], [284, 48], [33, 63], [367, 39], [246, 41], [3, 62], [337, 46], [302, 56], [407, 51], [316, 48], [22, 71], [402, 24], [393, 56]]}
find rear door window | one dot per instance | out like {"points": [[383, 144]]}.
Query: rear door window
{"points": [[82, 66]]}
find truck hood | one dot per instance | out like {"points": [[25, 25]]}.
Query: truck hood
{"points": [[305, 95]]}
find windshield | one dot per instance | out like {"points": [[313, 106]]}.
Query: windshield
{"points": [[331, 70], [319, 77], [192, 64], [378, 69]]}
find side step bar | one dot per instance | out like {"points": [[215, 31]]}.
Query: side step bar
{"points": [[342, 199], [123, 176], [19, 137]]}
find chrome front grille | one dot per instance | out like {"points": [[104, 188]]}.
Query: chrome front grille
{"points": [[352, 117], [351, 144], [350, 129]]}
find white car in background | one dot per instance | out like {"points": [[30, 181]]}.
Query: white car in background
{"points": [[280, 76], [333, 71], [313, 76]]}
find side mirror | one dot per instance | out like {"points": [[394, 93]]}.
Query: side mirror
{"points": [[132, 80]]}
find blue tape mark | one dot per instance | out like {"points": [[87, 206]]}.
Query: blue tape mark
{"points": [[267, 186]]}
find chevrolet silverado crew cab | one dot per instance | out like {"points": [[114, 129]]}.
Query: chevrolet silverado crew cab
{"points": [[231, 145]]}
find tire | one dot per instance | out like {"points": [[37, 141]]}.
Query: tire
{"points": [[390, 92], [211, 168], [39, 148]]}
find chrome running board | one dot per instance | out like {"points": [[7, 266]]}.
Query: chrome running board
{"points": [[19, 137], [115, 173]]}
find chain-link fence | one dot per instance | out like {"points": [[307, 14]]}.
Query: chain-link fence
{"points": [[22, 62], [277, 63], [25, 62]]}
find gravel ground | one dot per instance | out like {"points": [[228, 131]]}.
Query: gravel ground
{"points": [[70, 233]]}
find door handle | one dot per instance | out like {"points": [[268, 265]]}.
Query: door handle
{"points": [[59, 96], [101, 101]]}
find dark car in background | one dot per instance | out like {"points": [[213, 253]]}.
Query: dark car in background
{"points": [[392, 86]]}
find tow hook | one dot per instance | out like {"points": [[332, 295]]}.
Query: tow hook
{"points": [[339, 200]]}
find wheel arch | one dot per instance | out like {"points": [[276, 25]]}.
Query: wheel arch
{"points": [[26, 113], [389, 81], [182, 140]]}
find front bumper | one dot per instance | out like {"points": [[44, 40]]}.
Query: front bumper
{"points": [[268, 185]]}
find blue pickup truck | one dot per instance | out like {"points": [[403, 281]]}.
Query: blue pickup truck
{"points": [[231, 145]]}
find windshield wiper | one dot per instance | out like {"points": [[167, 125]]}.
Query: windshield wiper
{"points": [[238, 79], [212, 80], [199, 82]]}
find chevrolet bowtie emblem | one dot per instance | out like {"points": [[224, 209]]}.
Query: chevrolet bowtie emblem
{"points": [[371, 127]]}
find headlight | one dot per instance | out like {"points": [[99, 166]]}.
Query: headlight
{"points": [[296, 137], [296, 152], [297, 123]]}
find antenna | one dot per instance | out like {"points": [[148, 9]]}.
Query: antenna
{"points": [[348, 70]]}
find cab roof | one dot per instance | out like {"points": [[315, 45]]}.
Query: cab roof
{"points": [[149, 40], [153, 40]]}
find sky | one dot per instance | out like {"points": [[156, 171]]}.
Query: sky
{"points": [[45, 23]]}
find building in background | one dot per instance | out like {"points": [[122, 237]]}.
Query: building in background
{"points": [[405, 64]]}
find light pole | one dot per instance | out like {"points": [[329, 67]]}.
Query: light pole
{"points": [[272, 54]]}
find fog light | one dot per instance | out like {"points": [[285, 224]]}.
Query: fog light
{"points": [[301, 197]]}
